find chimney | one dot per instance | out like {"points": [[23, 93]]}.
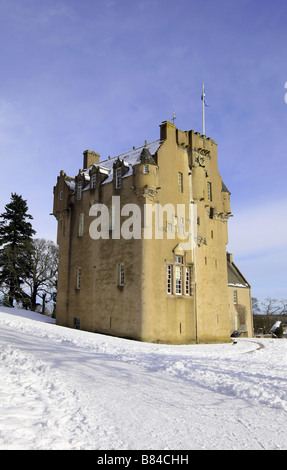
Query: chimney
{"points": [[229, 257], [90, 158], [167, 129]]}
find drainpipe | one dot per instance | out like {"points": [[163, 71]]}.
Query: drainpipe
{"points": [[193, 248]]}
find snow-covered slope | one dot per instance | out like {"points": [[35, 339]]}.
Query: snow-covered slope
{"points": [[69, 389]]}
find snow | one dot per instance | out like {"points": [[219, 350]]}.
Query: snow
{"points": [[68, 389]]}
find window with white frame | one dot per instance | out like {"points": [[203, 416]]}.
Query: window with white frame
{"points": [[187, 281], [235, 298], [169, 278], [146, 169], [121, 281], [78, 278], [178, 277], [79, 190], [178, 280], [118, 178]]}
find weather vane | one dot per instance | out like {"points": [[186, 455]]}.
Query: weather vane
{"points": [[173, 117]]}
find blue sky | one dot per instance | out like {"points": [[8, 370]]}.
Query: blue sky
{"points": [[103, 75]]}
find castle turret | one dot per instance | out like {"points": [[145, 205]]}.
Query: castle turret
{"points": [[146, 175]]}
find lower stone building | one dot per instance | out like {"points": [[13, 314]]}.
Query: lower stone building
{"points": [[240, 303], [142, 240]]}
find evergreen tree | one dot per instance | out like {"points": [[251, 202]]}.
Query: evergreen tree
{"points": [[16, 247]]}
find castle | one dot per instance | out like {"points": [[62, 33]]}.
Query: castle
{"points": [[142, 240]]}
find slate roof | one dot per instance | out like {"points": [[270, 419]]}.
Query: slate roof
{"points": [[143, 154], [235, 278], [225, 189], [132, 157]]}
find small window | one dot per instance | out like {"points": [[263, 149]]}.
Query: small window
{"points": [[77, 323], [146, 169], [169, 278], [61, 195], [180, 182], [209, 193], [93, 180], [235, 299], [178, 259], [81, 225], [78, 278], [121, 274], [79, 190], [118, 178]]}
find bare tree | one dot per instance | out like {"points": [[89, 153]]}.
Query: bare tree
{"points": [[274, 306], [255, 306], [42, 280], [283, 303]]}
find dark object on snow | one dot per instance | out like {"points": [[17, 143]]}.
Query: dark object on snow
{"points": [[235, 334]]}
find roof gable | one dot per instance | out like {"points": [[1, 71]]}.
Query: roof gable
{"points": [[235, 278]]}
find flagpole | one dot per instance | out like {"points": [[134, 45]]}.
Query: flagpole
{"points": [[203, 110]]}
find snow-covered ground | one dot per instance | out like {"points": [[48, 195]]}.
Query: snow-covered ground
{"points": [[68, 389]]}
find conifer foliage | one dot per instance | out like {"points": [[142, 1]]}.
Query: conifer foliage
{"points": [[16, 247]]}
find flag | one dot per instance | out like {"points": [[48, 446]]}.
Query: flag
{"points": [[203, 99]]}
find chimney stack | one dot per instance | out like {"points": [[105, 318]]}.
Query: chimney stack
{"points": [[229, 258], [90, 158]]}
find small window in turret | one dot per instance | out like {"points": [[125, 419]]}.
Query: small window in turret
{"points": [[61, 195], [146, 169]]}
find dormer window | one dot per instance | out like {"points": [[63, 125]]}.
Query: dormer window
{"points": [[79, 190], [118, 178], [93, 180]]}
